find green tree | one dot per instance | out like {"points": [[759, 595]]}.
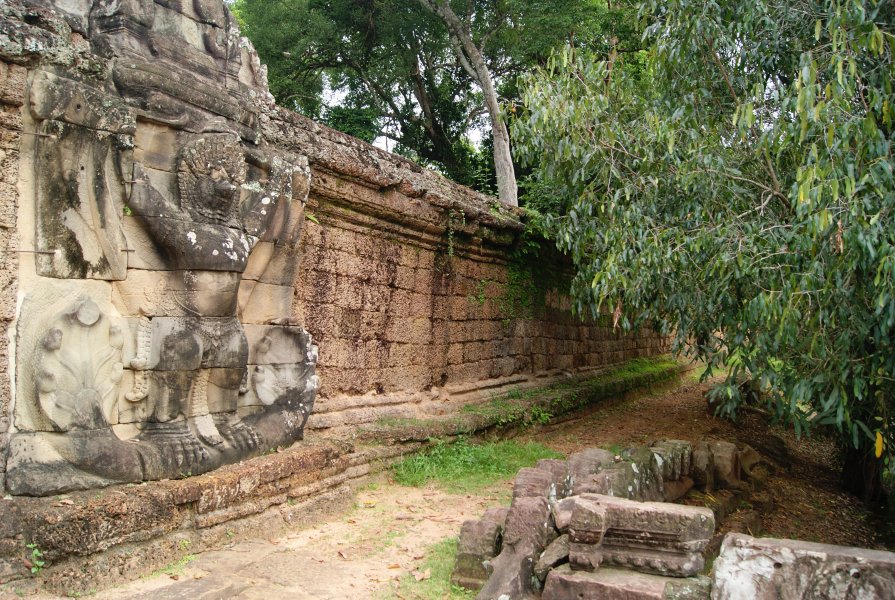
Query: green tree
{"points": [[738, 194], [389, 67]]}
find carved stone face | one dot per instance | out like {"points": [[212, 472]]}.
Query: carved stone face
{"points": [[212, 169]]}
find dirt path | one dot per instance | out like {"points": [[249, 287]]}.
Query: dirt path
{"points": [[361, 554], [357, 555]]}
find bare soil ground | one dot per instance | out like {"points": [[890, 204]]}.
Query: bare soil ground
{"points": [[363, 553]]}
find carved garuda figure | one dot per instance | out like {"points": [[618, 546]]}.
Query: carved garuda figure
{"points": [[155, 336]]}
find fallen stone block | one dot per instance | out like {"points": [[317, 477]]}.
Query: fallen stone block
{"points": [[673, 458], [652, 537], [615, 584], [532, 483], [702, 467], [675, 490], [728, 471], [559, 470], [479, 542], [766, 569], [529, 530], [634, 476], [555, 554], [562, 513], [583, 465]]}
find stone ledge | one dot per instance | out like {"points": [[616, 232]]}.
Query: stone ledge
{"points": [[533, 404]]}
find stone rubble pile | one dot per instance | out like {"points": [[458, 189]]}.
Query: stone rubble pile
{"points": [[573, 521], [603, 525]]}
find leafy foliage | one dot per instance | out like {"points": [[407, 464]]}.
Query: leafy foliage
{"points": [[735, 189], [386, 67]]}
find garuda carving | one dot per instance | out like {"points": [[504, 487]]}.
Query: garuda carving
{"points": [[172, 351]]}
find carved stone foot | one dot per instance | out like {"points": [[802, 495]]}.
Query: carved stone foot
{"points": [[177, 444], [208, 432], [237, 433]]}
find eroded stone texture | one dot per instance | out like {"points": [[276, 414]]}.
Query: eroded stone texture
{"points": [[146, 184], [650, 537], [615, 584], [549, 524], [480, 541], [760, 569]]}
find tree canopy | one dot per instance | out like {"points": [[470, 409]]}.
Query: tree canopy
{"points": [[737, 192], [388, 67]]}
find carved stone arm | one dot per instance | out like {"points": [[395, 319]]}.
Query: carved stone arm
{"points": [[146, 200]]}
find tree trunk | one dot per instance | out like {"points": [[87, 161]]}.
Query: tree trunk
{"points": [[473, 62], [862, 474]]}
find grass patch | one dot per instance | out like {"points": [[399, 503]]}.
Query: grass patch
{"points": [[463, 466], [538, 405], [435, 572], [175, 569], [643, 366]]}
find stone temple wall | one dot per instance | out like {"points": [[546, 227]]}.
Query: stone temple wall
{"points": [[409, 285], [176, 248], [12, 97]]}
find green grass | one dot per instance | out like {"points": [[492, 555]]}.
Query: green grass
{"points": [[175, 569], [439, 562], [464, 466]]}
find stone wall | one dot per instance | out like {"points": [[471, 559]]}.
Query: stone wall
{"points": [[12, 97], [410, 285]]}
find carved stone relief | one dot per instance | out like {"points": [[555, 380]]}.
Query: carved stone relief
{"points": [[153, 183]]}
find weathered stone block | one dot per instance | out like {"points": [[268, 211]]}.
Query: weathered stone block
{"points": [[728, 472], [675, 490], [532, 483], [703, 467], [529, 520], [189, 343], [278, 344], [652, 537], [12, 84], [61, 99], [263, 302], [79, 199], [479, 542], [635, 475], [559, 471], [674, 458], [765, 569], [614, 584], [177, 293], [583, 465], [555, 554], [562, 513]]}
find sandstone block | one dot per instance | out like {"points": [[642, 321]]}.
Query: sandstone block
{"points": [[614, 584], [529, 521], [703, 467], [728, 472], [562, 513], [278, 344], [479, 543], [674, 458], [532, 483], [765, 569], [556, 553], [675, 490], [652, 537]]}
